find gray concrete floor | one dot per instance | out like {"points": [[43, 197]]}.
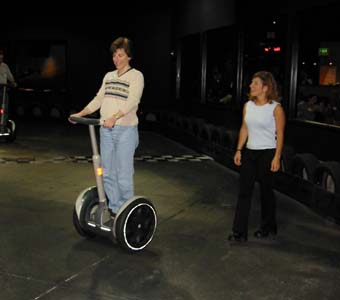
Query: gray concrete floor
{"points": [[42, 257]]}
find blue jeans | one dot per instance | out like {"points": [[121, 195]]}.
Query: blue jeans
{"points": [[117, 147]]}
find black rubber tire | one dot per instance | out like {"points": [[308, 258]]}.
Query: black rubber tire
{"points": [[12, 132], [215, 135], [327, 176], [304, 166], [56, 112], [205, 133], [39, 111], [196, 126], [90, 201], [136, 225], [186, 124], [287, 158], [79, 229]]}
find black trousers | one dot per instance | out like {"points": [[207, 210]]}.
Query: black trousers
{"points": [[4, 105], [256, 166]]}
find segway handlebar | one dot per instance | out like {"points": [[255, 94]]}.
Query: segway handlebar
{"points": [[5, 86], [8, 85], [86, 121]]}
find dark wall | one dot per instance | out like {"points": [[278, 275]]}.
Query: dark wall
{"points": [[153, 55], [254, 10], [311, 137], [194, 16], [88, 38], [198, 16], [86, 52]]}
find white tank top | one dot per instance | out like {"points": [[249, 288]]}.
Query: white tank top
{"points": [[261, 125]]}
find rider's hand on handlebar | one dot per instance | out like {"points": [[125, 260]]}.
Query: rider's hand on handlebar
{"points": [[77, 115], [12, 84]]}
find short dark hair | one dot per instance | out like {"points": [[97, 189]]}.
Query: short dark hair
{"points": [[1, 52], [268, 79], [122, 43]]}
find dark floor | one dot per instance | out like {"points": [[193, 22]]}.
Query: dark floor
{"points": [[42, 257]]}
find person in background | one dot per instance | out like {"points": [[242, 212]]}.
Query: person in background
{"points": [[118, 99], [308, 108], [6, 76], [258, 154], [6, 79]]}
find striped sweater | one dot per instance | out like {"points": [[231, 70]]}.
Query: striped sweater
{"points": [[119, 93]]}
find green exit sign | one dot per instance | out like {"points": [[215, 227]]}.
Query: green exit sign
{"points": [[323, 51]]}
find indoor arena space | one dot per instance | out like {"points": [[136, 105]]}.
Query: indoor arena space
{"points": [[189, 257], [179, 150]]}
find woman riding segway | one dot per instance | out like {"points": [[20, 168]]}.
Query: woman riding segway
{"points": [[118, 100]]}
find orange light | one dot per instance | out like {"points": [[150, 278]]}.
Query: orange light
{"points": [[266, 49], [99, 171]]}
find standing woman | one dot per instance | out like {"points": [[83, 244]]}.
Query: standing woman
{"points": [[118, 100], [258, 153]]}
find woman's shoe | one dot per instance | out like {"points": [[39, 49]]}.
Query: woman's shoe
{"points": [[262, 233], [237, 237]]}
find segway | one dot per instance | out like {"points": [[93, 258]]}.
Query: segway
{"points": [[135, 223], [7, 126]]}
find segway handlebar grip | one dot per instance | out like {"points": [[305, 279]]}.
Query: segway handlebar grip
{"points": [[86, 121], [8, 85]]}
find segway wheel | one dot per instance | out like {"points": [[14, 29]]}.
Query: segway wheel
{"points": [[83, 232], [88, 209], [11, 128], [136, 225]]}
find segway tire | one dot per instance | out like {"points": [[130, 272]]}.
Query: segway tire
{"points": [[80, 224], [136, 225], [82, 232], [11, 128]]}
